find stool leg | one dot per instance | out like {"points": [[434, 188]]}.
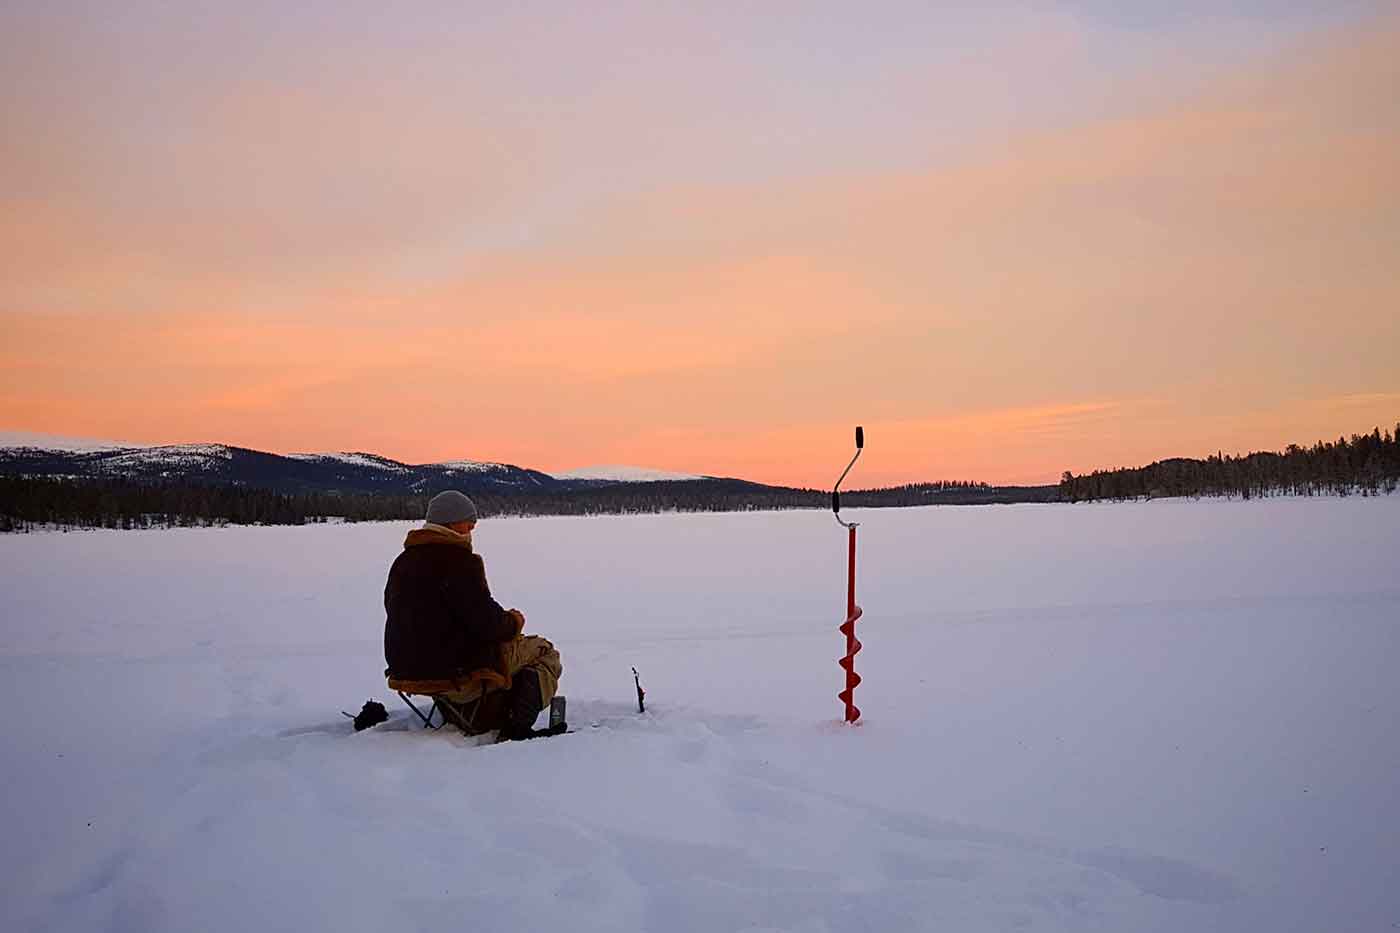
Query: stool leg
{"points": [[428, 719], [465, 724]]}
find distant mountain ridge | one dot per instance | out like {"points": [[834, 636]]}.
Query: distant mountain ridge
{"points": [[241, 466], [400, 488]]}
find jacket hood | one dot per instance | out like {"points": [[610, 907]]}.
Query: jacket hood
{"points": [[437, 534]]}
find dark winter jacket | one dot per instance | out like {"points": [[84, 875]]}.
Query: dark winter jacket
{"points": [[441, 620]]}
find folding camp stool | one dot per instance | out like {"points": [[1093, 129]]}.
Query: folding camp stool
{"points": [[437, 690]]}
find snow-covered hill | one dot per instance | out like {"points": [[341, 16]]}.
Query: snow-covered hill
{"points": [[40, 455], [114, 456], [170, 460], [373, 461], [469, 466], [100, 458], [352, 471]]}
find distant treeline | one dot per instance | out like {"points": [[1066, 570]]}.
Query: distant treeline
{"points": [[727, 495], [29, 502], [1367, 464]]}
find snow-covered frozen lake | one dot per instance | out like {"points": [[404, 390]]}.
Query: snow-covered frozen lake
{"points": [[1161, 716]]}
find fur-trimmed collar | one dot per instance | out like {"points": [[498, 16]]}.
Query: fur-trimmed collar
{"points": [[437, 534]]}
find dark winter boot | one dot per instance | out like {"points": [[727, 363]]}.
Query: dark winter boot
{"points": [[523, 703]]}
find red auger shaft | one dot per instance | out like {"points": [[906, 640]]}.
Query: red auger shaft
{"points": [[848, 629]]}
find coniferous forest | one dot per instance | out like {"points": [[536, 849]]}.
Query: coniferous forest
{"points": [[1365, 464], [30, 502]]}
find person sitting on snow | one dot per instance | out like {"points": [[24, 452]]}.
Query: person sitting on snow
{"points": [[443, 624]]}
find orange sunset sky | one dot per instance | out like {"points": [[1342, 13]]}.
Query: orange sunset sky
{"points": [[1009, 239]]}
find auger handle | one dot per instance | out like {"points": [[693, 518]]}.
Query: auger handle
{"points": [[836, 490]]}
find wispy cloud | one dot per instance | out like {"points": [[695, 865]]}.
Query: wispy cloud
{"points": [[298, 259]]}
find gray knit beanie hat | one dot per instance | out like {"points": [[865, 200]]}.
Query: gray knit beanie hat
{"points": [[451, 506]]}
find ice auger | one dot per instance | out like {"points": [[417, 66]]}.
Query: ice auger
{"points": [[853, 612]]}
